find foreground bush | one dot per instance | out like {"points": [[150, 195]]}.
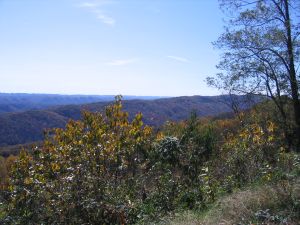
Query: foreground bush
{"points": [[85, 174]]}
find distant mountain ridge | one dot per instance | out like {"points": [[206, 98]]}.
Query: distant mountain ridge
{"points": [[17, 102], [28, 126]]}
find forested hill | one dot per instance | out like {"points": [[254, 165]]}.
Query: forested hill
{"points": [[17, 102], [28, 126]]}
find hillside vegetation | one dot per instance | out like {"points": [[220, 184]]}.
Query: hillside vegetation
{"points": [[29, 126], [17, 102], [107, 169]]}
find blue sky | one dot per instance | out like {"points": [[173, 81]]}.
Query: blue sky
{"points": [[131, 47]]}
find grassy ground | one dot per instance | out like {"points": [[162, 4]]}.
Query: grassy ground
{"points": [[267, 204]]}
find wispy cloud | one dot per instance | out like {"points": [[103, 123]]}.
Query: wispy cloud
{"points": [[122, 62], [88, 5], [179, 59], [96, 7], [105, 18]]}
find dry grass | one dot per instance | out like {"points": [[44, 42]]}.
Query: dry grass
{"points": [[182, 218], [240, 207]]}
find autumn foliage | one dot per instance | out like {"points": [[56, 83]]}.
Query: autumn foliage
{"points": [[107, 169]]}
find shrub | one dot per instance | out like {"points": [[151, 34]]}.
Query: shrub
{"points": [[85, 174], [168, 151]]}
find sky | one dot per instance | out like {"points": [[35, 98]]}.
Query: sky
{"points": [[129, 47]]}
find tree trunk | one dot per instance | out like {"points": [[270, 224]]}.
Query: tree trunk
{"points": [[293, 78]]}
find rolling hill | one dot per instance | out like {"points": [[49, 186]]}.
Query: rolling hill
{"points": [[24, 127], [17, 102]]}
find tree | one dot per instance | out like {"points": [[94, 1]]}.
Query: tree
{"points": [[262, 46]]}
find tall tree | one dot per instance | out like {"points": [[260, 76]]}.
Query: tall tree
{"points": [[262, 46]]}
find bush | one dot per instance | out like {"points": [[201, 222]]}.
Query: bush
{"points": [[168, 151], [85, 174]]}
